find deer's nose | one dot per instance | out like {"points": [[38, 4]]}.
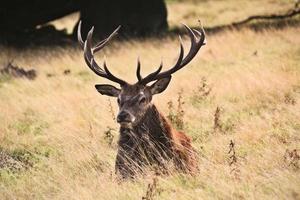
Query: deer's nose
{"points": [[123, 116]]}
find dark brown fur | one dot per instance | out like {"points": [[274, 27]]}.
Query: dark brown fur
{"points": [[153, 142]]}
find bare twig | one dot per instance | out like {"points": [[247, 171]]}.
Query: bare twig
{"points": [[176, 117], [151, 189], [292, 158], [111, 110], [217, 122], [233, 160], [109, 136], [231, 152]]}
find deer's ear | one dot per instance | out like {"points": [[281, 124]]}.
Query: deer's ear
{"points": [[108, 90], [160, 85]]}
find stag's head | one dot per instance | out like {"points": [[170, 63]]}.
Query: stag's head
{"points": [[134, 99]]}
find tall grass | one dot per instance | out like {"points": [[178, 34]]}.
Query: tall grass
{"points": [[65, 129]]}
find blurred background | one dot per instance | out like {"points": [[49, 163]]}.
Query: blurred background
{"points": [[57, 20]]}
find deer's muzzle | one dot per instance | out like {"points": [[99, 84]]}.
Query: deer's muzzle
{"points": [[125, 117]]}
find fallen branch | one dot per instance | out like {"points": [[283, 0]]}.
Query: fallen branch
{"points": [[290, 13], [15, 71]]}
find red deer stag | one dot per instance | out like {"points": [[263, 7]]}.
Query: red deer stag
{"points": [[146, 137]]}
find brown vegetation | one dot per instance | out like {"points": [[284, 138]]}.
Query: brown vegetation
{"points": [[255, 78]]}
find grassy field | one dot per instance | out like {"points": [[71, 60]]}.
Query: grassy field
{"points": [[219, 12], [58, 136]]}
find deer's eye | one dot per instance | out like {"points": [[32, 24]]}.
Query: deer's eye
{"points": [[142, 100]]}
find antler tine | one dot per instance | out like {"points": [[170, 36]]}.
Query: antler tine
{"points": [[89, 56], [138, 70], [79, 35], [197, 39], [112, 77], [101, 44], [195, 45], [151, 76]]}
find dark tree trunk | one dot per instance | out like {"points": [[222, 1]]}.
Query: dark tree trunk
{"points": [[20, 15], [137, 17]]}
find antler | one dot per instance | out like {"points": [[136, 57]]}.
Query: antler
{"points": [[197, 41], [89, 54]]}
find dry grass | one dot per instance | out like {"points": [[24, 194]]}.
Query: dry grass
{"points": [[62, 122], [219, 12]]}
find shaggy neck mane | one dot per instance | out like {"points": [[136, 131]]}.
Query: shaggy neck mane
{"points": [[153, 124], [151, 134], [153, 141]]}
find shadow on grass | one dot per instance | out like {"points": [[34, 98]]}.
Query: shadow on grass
{"points": [[45, 36], [48, 36]]}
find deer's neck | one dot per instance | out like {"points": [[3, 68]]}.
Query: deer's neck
{"points": [[153, 123], [153, 126]]}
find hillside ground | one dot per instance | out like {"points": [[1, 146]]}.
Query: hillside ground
{"points": [[58, 135]]}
